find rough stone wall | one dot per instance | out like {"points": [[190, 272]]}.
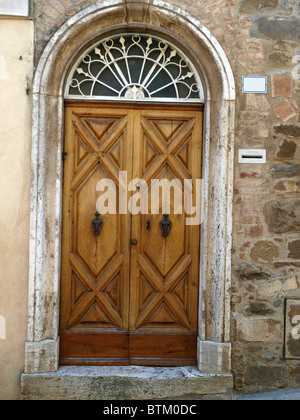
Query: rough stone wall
{"points": [[260, 38]]}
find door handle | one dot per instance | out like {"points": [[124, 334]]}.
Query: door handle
{"points": [[97, 224], [166, 226]]}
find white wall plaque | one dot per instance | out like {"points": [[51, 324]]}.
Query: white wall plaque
{"points": [[2, 328], [252, 156], [14, 7], [255, 84]]}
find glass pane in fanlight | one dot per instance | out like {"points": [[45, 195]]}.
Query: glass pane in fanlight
{"points": [[109, 79], [162, 85], [135, 65]]}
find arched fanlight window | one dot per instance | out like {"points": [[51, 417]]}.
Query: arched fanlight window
{"points": [[135, 67]]}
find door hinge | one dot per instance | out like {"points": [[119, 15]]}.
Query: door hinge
{"points": [[64, 155]]}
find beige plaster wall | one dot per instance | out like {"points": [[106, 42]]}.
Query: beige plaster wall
{"points": [[16, 68]]}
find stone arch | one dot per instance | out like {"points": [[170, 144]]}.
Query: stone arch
{"points": [[209, 59]]}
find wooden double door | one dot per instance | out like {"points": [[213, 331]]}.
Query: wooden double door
{"points": [[129, 294]]}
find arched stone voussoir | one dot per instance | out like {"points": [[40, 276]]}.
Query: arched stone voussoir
{"points": [[157, 18]]}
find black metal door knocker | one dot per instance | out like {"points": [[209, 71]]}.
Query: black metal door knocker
{"points": [[166, 226], [97, 224]]}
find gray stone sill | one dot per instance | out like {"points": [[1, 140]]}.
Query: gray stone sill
{"points": [[125, 383]]}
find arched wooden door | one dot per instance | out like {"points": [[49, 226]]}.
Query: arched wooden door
{"points": [[130, 294]]}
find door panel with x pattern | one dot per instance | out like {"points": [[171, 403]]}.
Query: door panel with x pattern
{"points": [[95, 270], [164, 282]]}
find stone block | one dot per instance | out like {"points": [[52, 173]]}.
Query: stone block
{"points": [[280, 58], [42, 356], [124, 383], [254, 5], [287, 150], [263, 103], [250, 175], [286, 4], [276, 27], [287, 186], [258, 330], [285, 171], [259, 308], [294, 249], [214, 357], [281, 85], [279, 288], [263, 134], [266, 376], [264, 252], [251, 102], [284, 111], [269, 290], [283, 217], [251, 272], [255, 231], [288, 130]]}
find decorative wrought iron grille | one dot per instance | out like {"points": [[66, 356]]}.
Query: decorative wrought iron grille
{"points": [[135, 67]]}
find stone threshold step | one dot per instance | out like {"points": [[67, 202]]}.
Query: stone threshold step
{"points": [[125, 383]]}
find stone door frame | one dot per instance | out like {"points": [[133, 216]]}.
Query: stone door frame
{"points": [[208, 57]]}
